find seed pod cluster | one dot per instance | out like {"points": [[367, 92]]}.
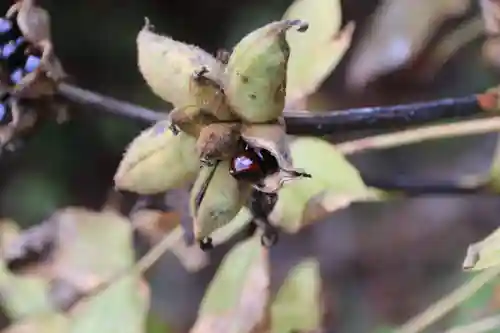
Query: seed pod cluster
{"points": [[227, 135]]}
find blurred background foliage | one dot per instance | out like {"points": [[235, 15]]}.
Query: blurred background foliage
{"points": [[382, 263]]}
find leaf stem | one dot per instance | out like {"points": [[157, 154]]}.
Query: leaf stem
{"points": [[449, 302], [411, 136]]}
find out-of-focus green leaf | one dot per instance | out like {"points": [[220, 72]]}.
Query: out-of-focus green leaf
{"points": [[236, 299], [331, 173], [119, 308], [93, 247], [33, 195], [298, 305], [42, 323], [494, 176], [477, 306], [483, 254], [92, 244], [20, 296], [156, 325], [315, 54], [384, 329], [399, 31]]}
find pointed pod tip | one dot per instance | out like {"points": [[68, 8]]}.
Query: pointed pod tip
{"points": [[148, 26]]}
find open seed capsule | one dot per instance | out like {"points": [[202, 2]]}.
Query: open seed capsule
{"points": [[218, 141], [272, 142]]}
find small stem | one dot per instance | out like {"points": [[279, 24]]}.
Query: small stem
{"points": [[411, 136], [109, 104], [439, 309], [418, 187], [481, 326]]}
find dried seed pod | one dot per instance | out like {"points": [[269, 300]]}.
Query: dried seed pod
{"points": [[273, 138], [216, 198], [35, 25], [191, 119], [256, 72], [157, 160], [218, 141], [182, 74]]}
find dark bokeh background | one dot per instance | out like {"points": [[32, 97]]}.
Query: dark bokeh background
{"points": [[383, 263]]}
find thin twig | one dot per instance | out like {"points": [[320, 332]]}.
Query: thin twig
{"points": [[451, 301], [321, 123], [415, 187], [411, 136], [480, 326], [109, 104]]}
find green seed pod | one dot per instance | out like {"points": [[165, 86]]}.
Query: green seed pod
{"points": [[256, 72], [218, 141], [158, 160], [272, 137], [216, 198], [182, 74]]}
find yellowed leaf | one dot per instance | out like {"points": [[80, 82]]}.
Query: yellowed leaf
{"points": [[42, 323], [236, 299], [298, 304], [330, 172], [316, 53], [16, 290], [483, 254]]}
